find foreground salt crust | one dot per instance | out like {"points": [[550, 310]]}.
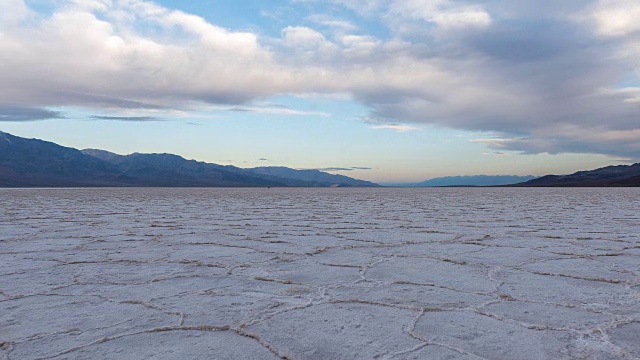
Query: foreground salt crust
{"points": [[320, 274]]}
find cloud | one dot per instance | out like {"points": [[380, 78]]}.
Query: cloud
{"points": [[496, 153], [396, 127], [443, 14], [337, 169], [331, 22], [19, 114], [495, 143], [302, 37], [333, 169], [545, 74], [263, 159], [127, 118], [277, 110], [149, 56], [12, 12], [465, 17], [615, 17]]}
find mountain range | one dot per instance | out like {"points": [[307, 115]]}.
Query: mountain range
{"points": [[37, 163], [471, 180], [620, 175]]}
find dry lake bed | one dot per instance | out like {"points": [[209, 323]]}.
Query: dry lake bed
{"points": [[320, 274]]}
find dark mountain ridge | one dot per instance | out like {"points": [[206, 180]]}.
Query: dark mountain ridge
{"points": [[30, 162], [618, 175], [37, 163]]}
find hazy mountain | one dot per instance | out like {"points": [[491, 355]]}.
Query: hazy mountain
{"points": [[37, 163], [621, 175], [151, 167], [472, 180], [316, 176]]}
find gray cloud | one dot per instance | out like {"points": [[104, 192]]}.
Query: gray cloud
{"points": [[333, 169], [550, 81], [19, 114], [545, 75], [95, 100]]}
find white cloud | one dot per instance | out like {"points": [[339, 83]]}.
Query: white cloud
{"points": [[359, 45], [92, 5], [616, 17], [304, 37], [472, 16], [396, 127], [89, 59], [444, 13], [341, 25], [12, 12]]}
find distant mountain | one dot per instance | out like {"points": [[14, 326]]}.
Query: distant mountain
{"points": [[151, 167], [472, 180], [316, 176], [37, 163], [621, 175]]}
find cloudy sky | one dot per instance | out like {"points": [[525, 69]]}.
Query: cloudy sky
{"points": [[385, 90]]}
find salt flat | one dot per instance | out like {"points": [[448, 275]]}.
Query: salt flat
{"points": [[320, 274]]}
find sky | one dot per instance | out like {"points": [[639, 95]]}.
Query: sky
{"points": [[382, 90]]}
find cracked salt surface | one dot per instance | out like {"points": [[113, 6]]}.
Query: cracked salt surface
{"points": [[319, 274]]}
